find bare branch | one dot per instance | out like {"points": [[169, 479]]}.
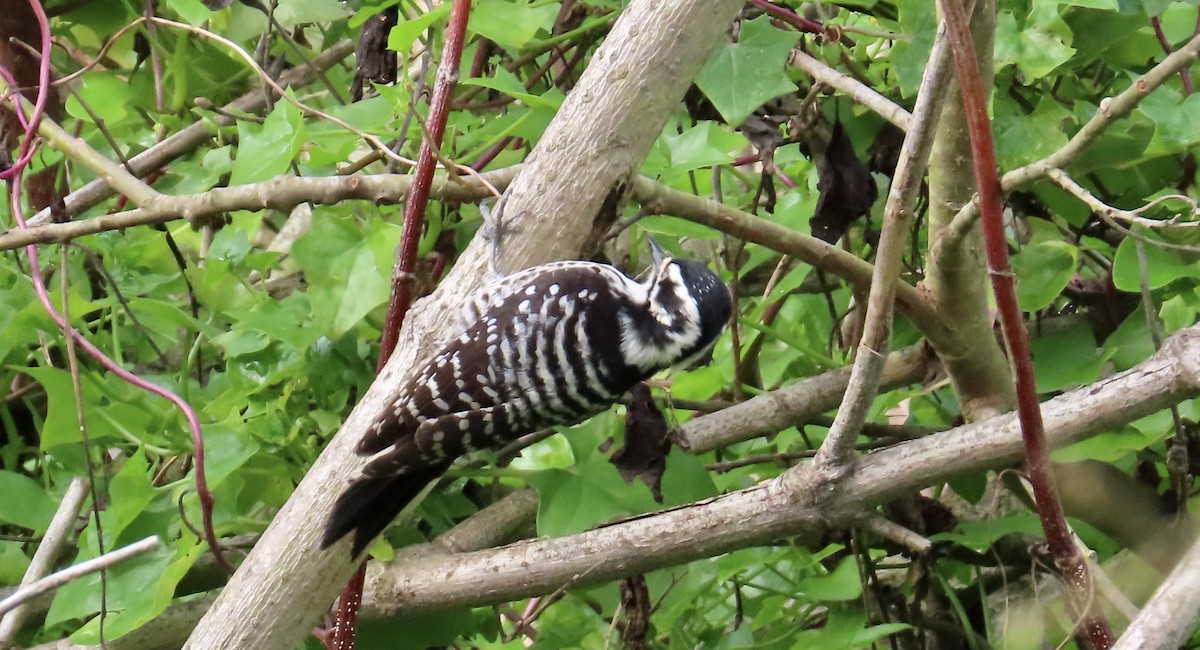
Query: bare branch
{"points": [[280, 193], [187, 139], [779, 409], [57, 536], [837, 451], [1109, 215], [1111, 110], [116, 175], [56, 580], [1173, 611], [853, 88]]}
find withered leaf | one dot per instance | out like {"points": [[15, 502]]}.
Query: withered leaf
{"points": [[644, 454], [846, 187]]}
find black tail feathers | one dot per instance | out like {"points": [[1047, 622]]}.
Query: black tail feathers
{"points": [[370, 504]]}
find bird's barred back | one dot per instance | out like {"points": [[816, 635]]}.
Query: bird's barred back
{"points": [[553, 344], [542, 347]]}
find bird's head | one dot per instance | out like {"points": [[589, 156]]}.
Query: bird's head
{"points": [[689, 305]]}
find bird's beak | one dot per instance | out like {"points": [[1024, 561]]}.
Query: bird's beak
{"points": [[657, 251]]}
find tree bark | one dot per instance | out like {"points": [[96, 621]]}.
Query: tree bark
{"points": [[580, 171]]}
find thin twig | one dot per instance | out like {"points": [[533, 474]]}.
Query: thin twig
{"points": [[1171, 615], [57, 536], [1108, 214], [1110, 110], [837, 452], [853, 88], [892, 531], [56, 580]]}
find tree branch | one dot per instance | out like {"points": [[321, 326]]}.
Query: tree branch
{"points": [[774, 411], [1171, 615], [579, 174], [837, 451], [187, 139], [1111, 109], [57, 536], [853, 88], [56, 580]]}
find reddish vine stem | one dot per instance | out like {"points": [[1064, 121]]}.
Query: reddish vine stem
{"points": [[792, 18], [1067, 557], [14, 175], [1185, 75], [344, 626]]}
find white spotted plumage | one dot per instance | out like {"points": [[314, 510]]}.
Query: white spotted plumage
{"points": [[550, 345]]}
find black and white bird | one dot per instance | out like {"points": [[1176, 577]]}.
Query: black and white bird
{"points": [[551, 345]]}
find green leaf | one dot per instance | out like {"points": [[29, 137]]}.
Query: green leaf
{"points": [[130, 491], [401, 38], [267, 150], [1043, 270], [345, 278], [918, 21], [1065, 358], [1023, 138], [1109, 446], [61, 426], [25, 502], [295, 12], [703, 145], [191, 11], [225, 450], [843, 583], [744, 75], [1036, 49], [676, 227], [284, 320], [592, 493], [841, 630], [1174, 118], [1105, 5], [686, 480], [1163, 266], [507, 83], [511, 24], [979, 535], [105, 94], [1131, 344], [138, 590]]}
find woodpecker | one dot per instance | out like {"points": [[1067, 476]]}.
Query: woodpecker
{"points": [[551, 345]]}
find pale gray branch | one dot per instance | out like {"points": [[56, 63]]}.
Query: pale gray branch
{"points": [[1169, 619], [779, 409], [865, 375], [56, 580], [853, 88], [280, 193], [187, 139]]}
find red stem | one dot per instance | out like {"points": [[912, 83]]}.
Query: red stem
{"points": [[1185, 75], [790, 17], [13, 175], [344, 626], [414, 207], [1062, 546]]}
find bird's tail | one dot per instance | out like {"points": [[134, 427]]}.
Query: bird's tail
{"points": [[370, 504]]}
